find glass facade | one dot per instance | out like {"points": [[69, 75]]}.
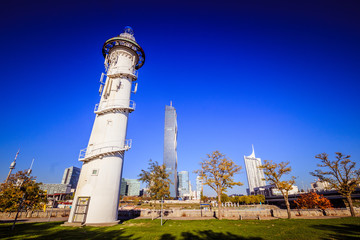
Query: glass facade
{"points": [[71, 176], [199, 185], [123, 187], [170, 145], [130, 187], [184, 184]]}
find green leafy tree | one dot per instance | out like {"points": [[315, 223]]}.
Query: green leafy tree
{"points": [[235, 199], [252, 199], [224, 198], [341, 174], [261, 198], [273, 174], [217, 171], [157, 180], [21, 185], [204, 198], [245, 200]]}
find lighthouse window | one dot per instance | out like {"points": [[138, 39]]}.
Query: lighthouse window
{"points": [[95, 172]]}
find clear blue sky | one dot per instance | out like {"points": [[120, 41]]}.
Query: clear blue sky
{"points": [[282, 75]]}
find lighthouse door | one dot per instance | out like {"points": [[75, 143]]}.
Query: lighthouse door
{"points": [[81, 209]]}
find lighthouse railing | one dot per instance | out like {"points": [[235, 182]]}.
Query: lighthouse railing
{"points": [[100, 149], [113, 71], [136, 73], [114, 103]]}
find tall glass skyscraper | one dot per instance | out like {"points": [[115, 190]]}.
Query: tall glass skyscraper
{"points": [[170, 145], [254, 174], [184, 184]]}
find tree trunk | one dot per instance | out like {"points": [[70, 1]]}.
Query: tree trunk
{"points": [[219, 207], [349, 200], [286, 198]]}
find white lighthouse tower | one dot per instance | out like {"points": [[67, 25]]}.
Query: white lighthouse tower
{"points": [[97, 194]]}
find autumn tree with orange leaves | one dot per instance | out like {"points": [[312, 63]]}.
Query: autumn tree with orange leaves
{"points": [[217, 171], [313, 200]]}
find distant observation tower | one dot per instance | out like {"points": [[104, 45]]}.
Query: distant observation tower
{"points": [[97, 194]]}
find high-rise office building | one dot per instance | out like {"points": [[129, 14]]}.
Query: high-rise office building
{"points": [[71, 176], [133, 187], [170, 145], [123, 187], [184, 184], [130, 187], [199, 186], [254, 174]]}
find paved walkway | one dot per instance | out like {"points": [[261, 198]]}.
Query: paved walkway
{"points": [[53, 219]]}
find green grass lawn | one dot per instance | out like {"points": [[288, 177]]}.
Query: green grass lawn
{"points": [[335, 228]]}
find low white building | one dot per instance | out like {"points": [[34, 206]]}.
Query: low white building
{"points": [[271, 190], [319, 186]]}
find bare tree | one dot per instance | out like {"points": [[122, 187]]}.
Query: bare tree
{"points": [[273, 173], [217, 172], [341, 175]]}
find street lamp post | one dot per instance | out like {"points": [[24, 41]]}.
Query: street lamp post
{"points": [[162, 204], [20, 203], [53, 204]]}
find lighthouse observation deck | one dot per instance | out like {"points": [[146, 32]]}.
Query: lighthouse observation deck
{"points": [[113, 105], [125, 39], [101, 150]]}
